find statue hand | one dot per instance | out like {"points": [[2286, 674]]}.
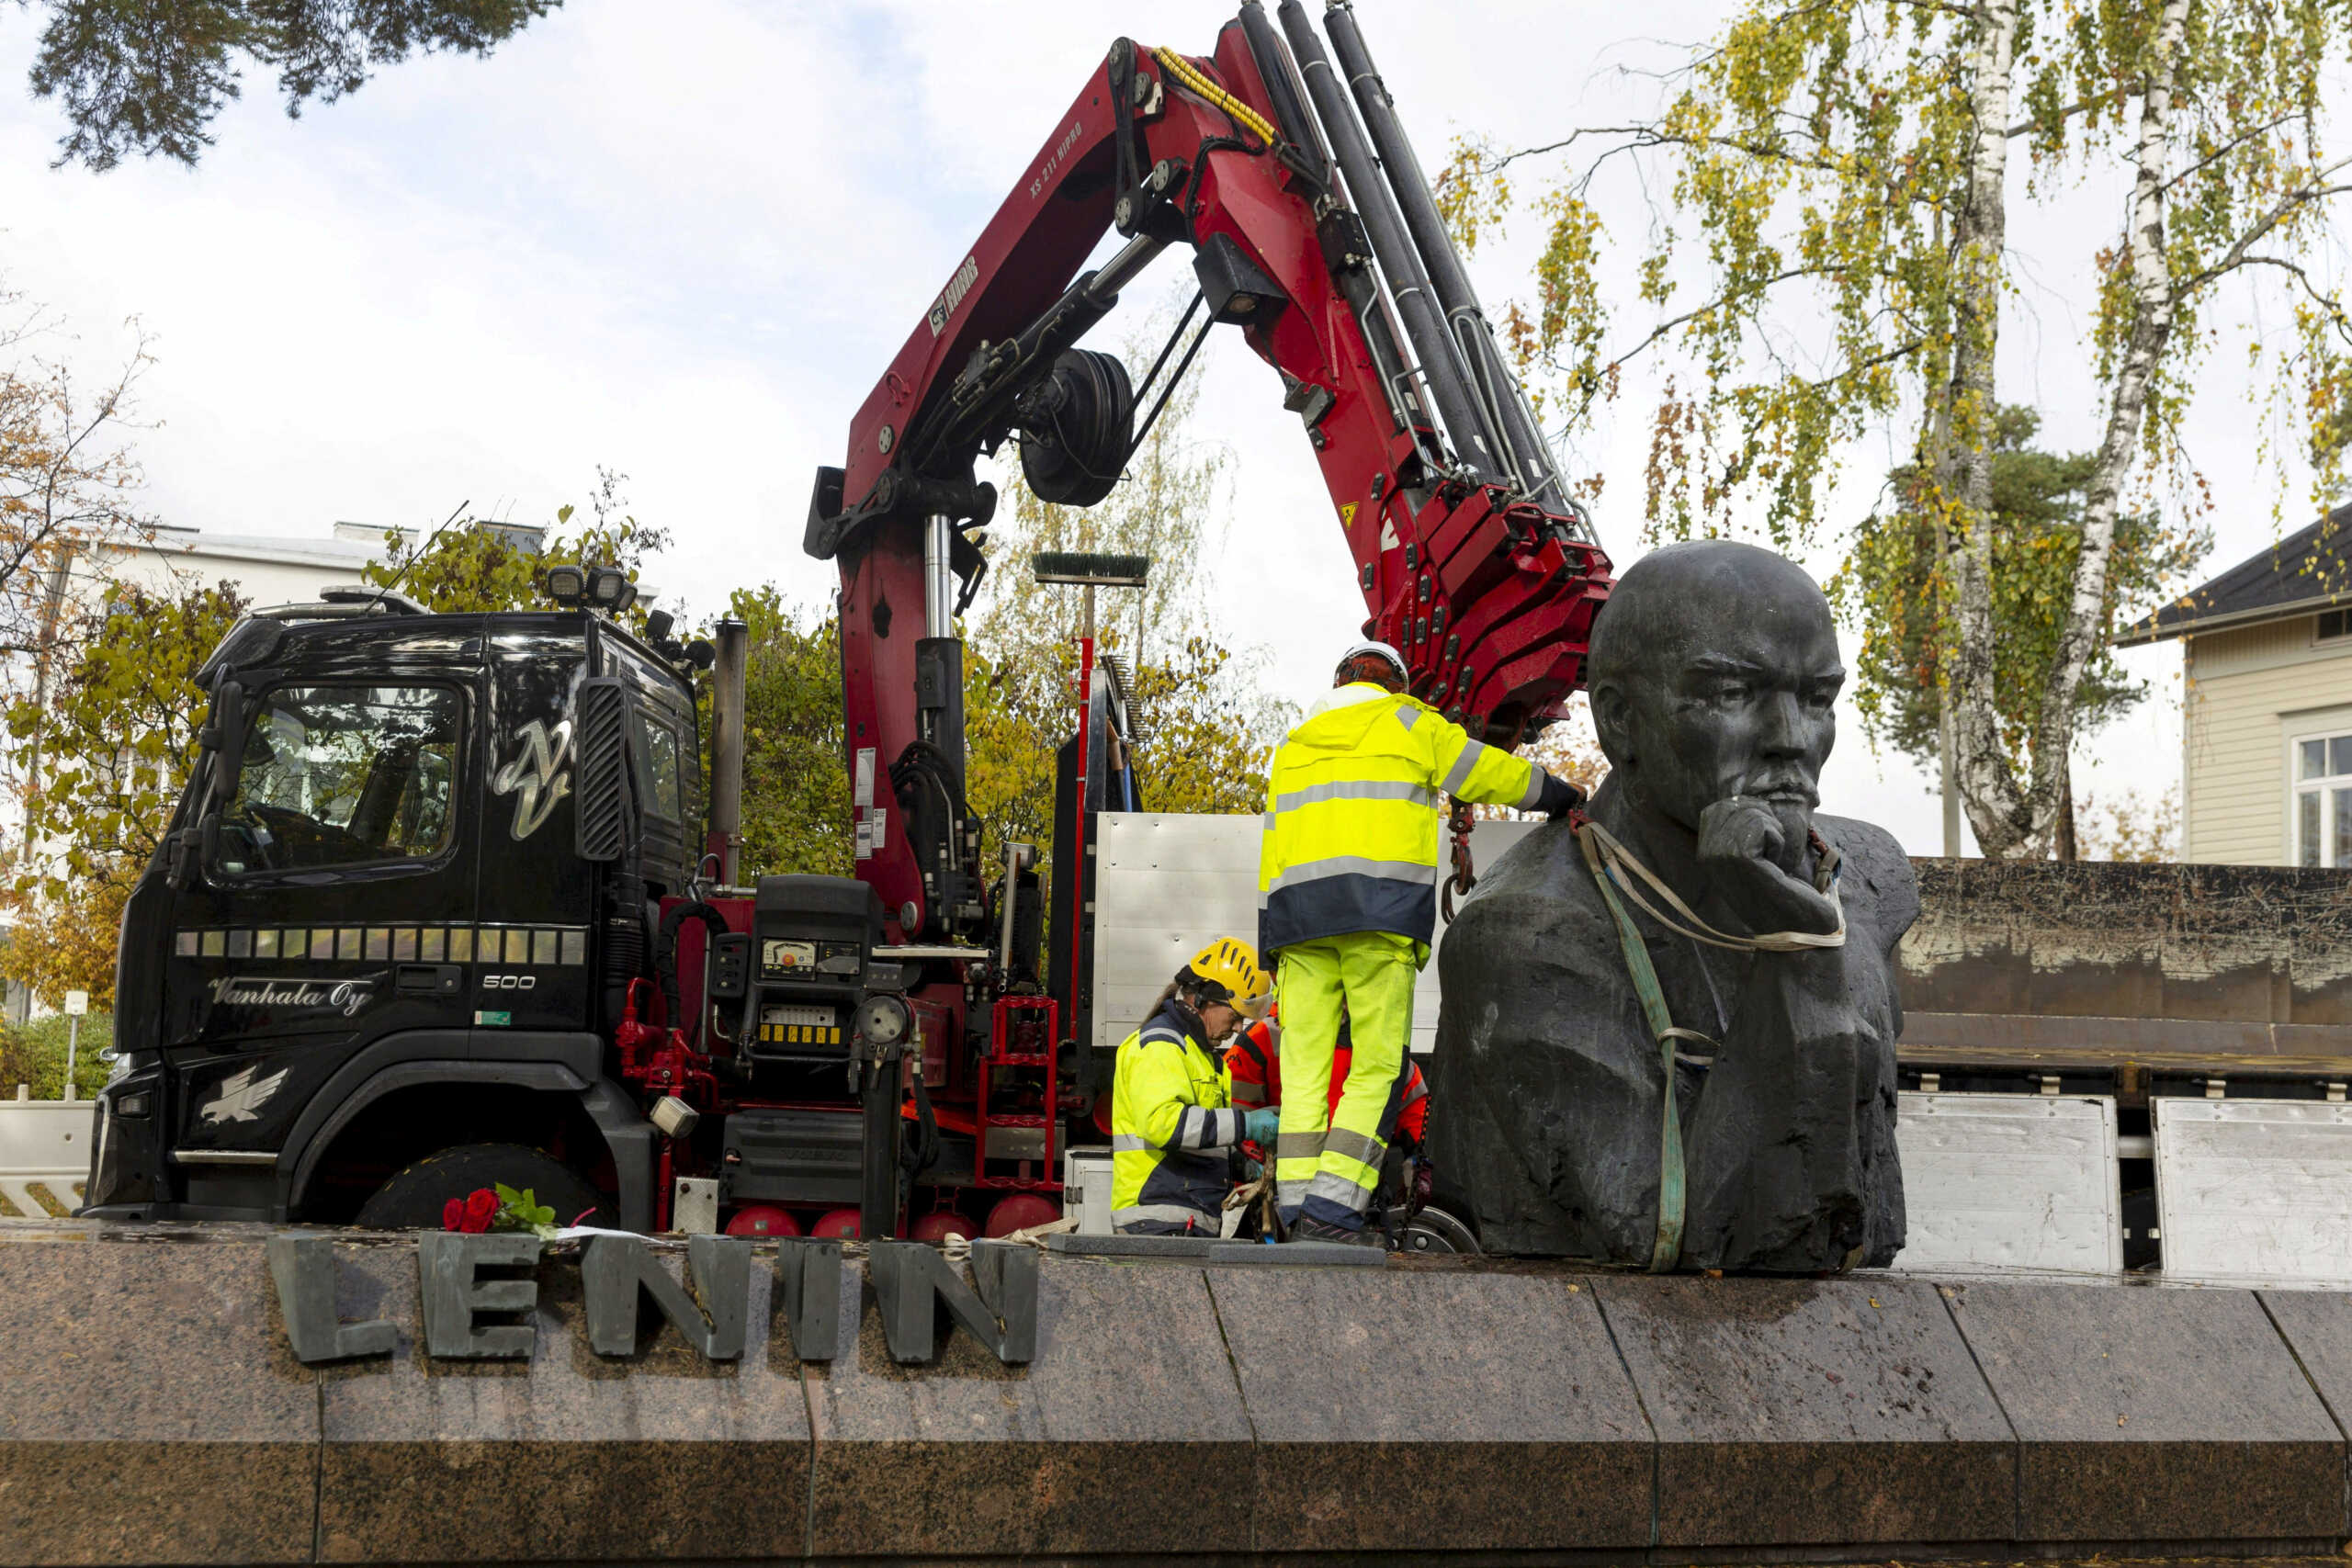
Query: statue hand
{"points": [[1747, 848]]}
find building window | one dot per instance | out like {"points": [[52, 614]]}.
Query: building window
{"points": [[2332, 626], [2323, 800]]}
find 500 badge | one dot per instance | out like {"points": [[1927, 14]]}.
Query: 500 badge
{"points": [[509, 981]]}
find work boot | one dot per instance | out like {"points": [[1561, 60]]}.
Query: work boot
{"points": [[1305, 1229]]}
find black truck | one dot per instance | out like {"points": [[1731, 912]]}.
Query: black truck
{"points": [[443, 904], [368, 962]]}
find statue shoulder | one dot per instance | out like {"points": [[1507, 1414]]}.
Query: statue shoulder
{"points": [[1537, 903], [1876, 867]]}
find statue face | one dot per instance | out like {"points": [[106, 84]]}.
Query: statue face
{"points": [[1735, 693]]}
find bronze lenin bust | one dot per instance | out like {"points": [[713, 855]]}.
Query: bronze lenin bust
{"points": [[1713, 674]]}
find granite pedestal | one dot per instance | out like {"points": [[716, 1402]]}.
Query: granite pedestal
{"points": [[152, 1411]]}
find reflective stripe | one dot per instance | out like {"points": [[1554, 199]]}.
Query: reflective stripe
{"points": [[1358, 1146], [1334, 1188], [1360, 789], [1161, 1035], [1245, 1092], [1203, 1129], [1409, 716], [1472, 752], [1298, 1146], [1268, 821], [1536, 779], [1175, 1213], [1418, 1089], [1128, 1143], [1348, 866]]}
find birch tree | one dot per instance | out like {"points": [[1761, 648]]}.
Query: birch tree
{"points": [[1846, 171]]}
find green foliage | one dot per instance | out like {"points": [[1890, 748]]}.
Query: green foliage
{"points": [[107, 755], [34, 1054], [796, 777], [118, 734], [1893, 584], [149, 76], [1831, 261], [478, 566], [522, 1212]]}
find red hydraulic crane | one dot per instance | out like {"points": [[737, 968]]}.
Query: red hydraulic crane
{"points": [[1313, 231]]}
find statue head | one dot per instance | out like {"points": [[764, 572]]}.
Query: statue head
{"points": [[1714, 673]]}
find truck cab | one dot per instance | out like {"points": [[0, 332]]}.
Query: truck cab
{"points": [[372, 936]]}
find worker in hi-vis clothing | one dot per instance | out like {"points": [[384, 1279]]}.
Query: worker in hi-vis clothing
{"points": [[1173, 1125], [1347, 904]]}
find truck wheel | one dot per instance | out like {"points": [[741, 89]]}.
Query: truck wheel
{"points": [[412, 1199]]}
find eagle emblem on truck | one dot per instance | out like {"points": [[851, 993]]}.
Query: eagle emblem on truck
{"points": [[242, 1096]]}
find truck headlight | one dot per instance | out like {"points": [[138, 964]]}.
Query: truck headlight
{"points": [[884, 1021]]}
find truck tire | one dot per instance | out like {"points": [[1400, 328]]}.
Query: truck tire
{"points": [[412, 1197]]}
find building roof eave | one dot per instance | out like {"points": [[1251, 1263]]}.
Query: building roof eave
{"points": [[2146, 633]]}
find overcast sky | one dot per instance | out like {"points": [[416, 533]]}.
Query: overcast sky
{"points": [[684, 240]]}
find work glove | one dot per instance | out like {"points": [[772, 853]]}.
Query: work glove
{"points": [[1559, 797], [1258, 1126]]}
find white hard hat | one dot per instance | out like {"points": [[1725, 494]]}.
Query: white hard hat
{"points": [[1396, 659]]}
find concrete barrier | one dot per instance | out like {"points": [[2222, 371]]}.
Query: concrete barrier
{"points": [[152, 1411], [44, 1151]]}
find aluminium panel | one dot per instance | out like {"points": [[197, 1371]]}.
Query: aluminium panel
{"points": [[2010, 1181], [1167, 884], [2254, 1189]]}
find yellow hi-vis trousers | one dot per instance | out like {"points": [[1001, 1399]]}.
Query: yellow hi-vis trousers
{"points": [[1328, 1167]]}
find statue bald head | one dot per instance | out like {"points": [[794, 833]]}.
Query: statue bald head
{"points": [[1715, 672]]}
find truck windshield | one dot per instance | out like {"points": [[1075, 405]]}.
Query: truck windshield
{"points": [[341, 775]]}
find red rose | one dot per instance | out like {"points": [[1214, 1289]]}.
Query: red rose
{"points": [[453, 1214], [481, 1207]]}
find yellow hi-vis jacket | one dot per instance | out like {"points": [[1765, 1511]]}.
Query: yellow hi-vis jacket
{"points": [[1172, 1125], [1352, 826]]}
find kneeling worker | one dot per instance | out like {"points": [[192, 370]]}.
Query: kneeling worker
{"points": [[1173, 1125], [1347, 900]]}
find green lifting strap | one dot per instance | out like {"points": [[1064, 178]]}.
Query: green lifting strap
{"points": [[1667, 1250]]}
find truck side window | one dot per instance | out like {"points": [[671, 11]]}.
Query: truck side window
{"points": [[342, 775], [657, 769]]}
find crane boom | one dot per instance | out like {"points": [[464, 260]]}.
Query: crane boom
{"points": [[1313, 236]]}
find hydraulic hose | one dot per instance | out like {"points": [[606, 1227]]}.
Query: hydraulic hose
{"points": [[665, 959], [1184, 71]]}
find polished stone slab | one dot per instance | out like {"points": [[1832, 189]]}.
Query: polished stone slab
{"points": [[1802, 1410], [1125, 1433], [2154, 1413], [151, 1409], [1212, 1250], [566, 1456], [2317, 1326], [1434, 1410]]}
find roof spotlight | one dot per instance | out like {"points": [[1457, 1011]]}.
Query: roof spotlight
{"points": [[610, 589], [567, 585]]}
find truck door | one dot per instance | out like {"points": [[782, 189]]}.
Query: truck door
{"points": [[334, 905], [539, 897]]}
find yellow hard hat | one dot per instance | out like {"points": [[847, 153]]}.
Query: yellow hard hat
{"points": [[1226, 971]]}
